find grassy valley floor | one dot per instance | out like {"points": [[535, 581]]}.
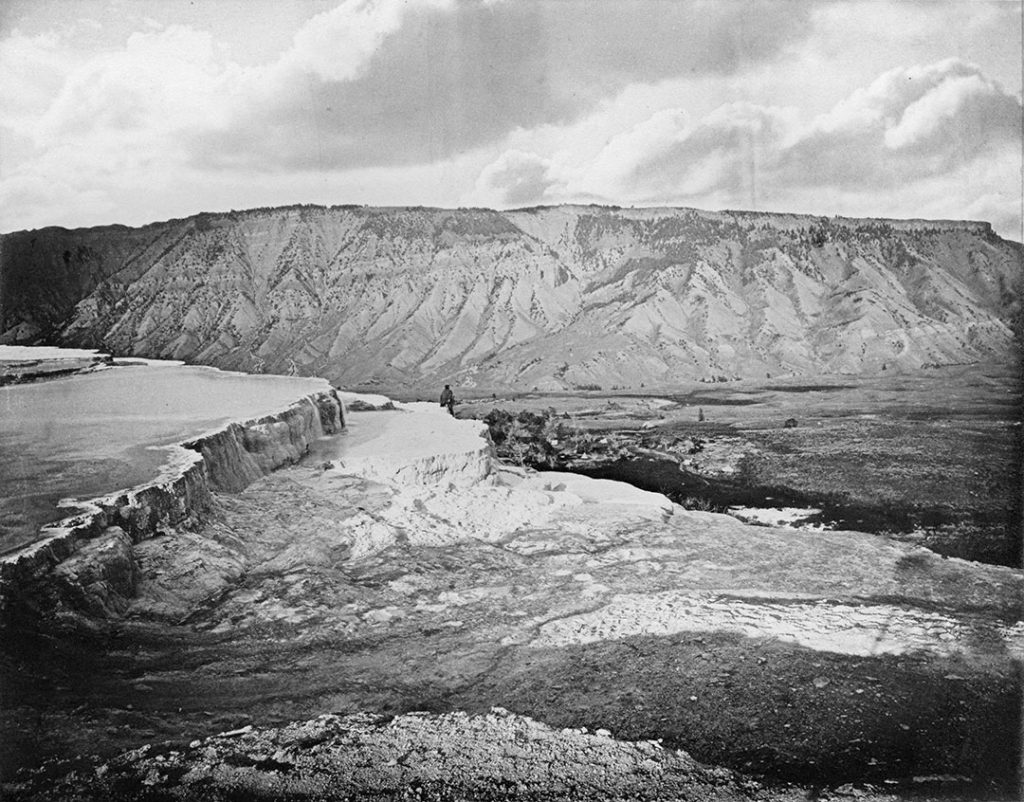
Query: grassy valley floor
{"points": [[933, 458]]}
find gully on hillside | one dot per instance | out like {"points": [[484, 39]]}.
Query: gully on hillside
{"points": [[548, 298]]}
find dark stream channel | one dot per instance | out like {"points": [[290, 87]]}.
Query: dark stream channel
{"points": [[983, 536]]}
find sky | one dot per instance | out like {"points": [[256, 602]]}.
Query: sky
{"points": [[132, 111]]}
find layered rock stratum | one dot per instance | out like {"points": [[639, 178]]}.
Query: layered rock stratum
{"points": [[553, 298]]}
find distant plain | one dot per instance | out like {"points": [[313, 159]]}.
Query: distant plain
{"points": [[932, 456]]}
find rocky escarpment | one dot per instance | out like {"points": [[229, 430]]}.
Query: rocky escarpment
{"points": [[86, 563], [562, 297], [497, 755]]}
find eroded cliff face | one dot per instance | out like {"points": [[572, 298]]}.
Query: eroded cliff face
{"points": [[552, 298], [86, 563]]}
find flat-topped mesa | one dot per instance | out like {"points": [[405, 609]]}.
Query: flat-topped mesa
{"points": [[85, 562], [549, 298], [778, 220]]}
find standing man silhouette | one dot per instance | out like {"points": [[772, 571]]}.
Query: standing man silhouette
{"points": [[448, 399]]}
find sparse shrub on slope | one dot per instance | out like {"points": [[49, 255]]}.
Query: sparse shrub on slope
{"points": [[345, 292]]}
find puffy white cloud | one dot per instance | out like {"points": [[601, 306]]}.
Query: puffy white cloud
{"points": [[167, 90], [514, 102], [889, 95], [337, 45], [666, 157], [32, 70], [394, 83], [162, 82], [87, 130], [968, 109], [882, 150], [108, 123], [515, 178], [909, 124], [625, 154]]}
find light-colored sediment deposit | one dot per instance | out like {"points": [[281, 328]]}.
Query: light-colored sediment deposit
{"points": [[637, 564], [399, 568], [86, 562]]}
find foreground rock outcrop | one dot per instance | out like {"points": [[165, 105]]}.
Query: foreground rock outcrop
{"points": [[496, 755], [551, 298]]}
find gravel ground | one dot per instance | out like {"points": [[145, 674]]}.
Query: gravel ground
{"points": [[829, 659], [496, 755]]}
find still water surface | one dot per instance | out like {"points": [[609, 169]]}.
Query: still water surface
{"points": [[92, 434]]}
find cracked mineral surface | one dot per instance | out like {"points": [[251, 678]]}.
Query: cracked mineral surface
{"points": [[400, 569]]}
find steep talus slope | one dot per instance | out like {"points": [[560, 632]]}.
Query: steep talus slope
{"points": [[550, 297]]}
